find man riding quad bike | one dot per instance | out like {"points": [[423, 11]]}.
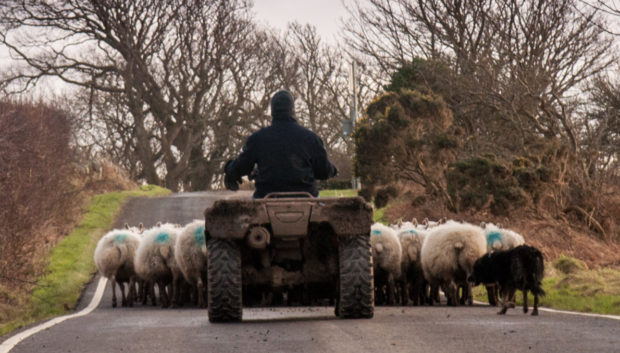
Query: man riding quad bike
{"points": [[289, 157], [287, 246]]}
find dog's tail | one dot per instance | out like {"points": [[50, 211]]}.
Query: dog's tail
{"points": [[538, 274]]}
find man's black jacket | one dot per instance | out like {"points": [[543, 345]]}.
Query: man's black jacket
{"points": [[289, 158]]}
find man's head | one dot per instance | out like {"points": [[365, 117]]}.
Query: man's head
{"points": [[282, 105]]}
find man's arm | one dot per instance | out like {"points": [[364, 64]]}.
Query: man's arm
{"points": [[243, 165], [322, 167]]}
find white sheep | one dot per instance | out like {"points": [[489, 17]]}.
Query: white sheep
{"points": [[448, 255], [386, 254], [191, 256], [499, 238], [114, 258], [155, 262], [412, 282]]}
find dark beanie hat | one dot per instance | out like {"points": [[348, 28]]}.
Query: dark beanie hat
{"points": [[282, 105]]}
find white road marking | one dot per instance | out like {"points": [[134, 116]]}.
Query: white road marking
{"points": [[540, 308], [10, 343]]}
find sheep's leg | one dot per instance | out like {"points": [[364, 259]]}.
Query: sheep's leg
{"points": [[470, 296], [535, 310], [151, 291], [453, 294], [404, 294], [422, 288], [200, 293], [163, 294], [174, 293], [143, 290], [505, 295], [525, 309], [391, 290], [465, 295], [137, 290], [113, 282], [434, 294], [121, 285], [132, 290]]}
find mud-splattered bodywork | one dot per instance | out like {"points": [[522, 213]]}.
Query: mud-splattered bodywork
{"points": [[300, 263]]}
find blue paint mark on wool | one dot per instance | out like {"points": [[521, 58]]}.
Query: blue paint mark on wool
{"points": [[376, 232], [493, 236], [411, 231], [120, 238], [162, 237], [199, 235]]}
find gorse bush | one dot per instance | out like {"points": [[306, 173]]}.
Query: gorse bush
{"points": [[480, 182], [404, 135]]}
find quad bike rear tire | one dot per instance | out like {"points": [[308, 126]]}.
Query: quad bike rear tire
{"points": [[356, 292], [224, 284]]}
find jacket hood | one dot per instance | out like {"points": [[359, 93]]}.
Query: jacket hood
{"points": [[283, 106]]}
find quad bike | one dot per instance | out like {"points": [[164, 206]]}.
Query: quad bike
{"points": [[289, 249]]}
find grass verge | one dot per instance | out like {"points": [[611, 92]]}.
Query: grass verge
{"points": [[70, 264], [583, 290]]}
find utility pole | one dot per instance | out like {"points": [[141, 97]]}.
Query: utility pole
{"points": [[348, 125]]}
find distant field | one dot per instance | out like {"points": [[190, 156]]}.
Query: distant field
{"points": [[338, 193]]}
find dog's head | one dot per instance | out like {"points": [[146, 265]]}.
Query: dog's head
{"points": [[482, 271]]}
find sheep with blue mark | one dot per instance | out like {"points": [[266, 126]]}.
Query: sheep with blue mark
{"points": [[412, 282], [499, 239], [191, 256], [155, 262], [386, 255], [448, 255], [114, 258]]}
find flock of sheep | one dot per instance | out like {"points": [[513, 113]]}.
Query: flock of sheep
{"points": [[172, 257], [413, 261]]}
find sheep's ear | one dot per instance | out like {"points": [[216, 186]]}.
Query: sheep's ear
{"points": [[443, 220], [141, 227], [126, 225], [499, 225], [425, 221], [414, 221], [400, 222], [159, 224], [483, 225]]}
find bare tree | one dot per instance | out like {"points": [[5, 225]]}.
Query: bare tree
{"points": [[177, 70], [515, 64]]}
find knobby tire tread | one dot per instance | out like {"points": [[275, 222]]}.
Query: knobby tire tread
{"points": [[356, 278], [224, 284]]}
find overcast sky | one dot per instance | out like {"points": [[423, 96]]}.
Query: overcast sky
{"points": [[325, 15]]}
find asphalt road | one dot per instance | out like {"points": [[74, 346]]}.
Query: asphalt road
{"points": [[393, 329]]}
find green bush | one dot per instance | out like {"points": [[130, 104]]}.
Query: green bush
{"points": [[479, 182]]}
